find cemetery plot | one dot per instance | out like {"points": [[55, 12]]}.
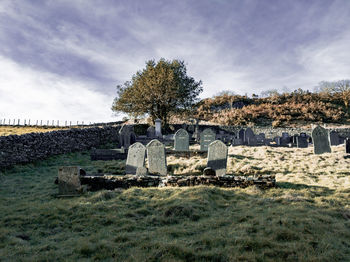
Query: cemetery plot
{"points": [[128, 223]]}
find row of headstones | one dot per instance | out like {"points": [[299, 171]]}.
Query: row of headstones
{"points": [[135, 162], [244, 137]]}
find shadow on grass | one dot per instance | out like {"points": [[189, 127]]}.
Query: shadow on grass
{"points": [[287, 185], [240, 157]]}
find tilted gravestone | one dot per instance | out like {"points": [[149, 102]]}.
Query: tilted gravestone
{"points": [[181, 142], [69, 180], [302, 142], [248, 134], [334, 138], [207, 136], [136, 158], [156, 158], [320, 140], [217, 157]]}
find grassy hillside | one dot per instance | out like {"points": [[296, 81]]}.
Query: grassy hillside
{"points": [[306, 218], [288, 109]]}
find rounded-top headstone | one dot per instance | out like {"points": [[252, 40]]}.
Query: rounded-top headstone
{"points": [[206, 137], [181, 142], [320, 140], [156, 158], [135, 158], [217, 157]]}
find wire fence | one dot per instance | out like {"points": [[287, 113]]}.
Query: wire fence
{"points": [[52, 123]]}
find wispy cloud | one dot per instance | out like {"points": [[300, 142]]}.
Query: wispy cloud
{"points": [[242, 46]]}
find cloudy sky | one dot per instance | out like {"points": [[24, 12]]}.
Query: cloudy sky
{"points": [[62, 60]]}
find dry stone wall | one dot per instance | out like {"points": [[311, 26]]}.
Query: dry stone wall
{"points": [[19, 149]]}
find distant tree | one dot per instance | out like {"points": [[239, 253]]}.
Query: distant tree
{"points": [[341, 88], [268, 93], [159, 90]]}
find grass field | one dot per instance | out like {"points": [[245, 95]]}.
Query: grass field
{"points": [[305, 218]]}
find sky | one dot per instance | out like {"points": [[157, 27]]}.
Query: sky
{"points": [[62, 60]]}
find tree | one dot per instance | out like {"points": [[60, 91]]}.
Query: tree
{"points": [[341, 88], [159, 90]]}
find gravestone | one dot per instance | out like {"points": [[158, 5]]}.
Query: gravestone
{"points": [[285, 139], [158, 124], [126, 136], [156, 158], [69, 181], [136, 158], [181, 140], [151, 132], [260, 138], [207, 136], [252, 141], [248, 134], [241, 134], [347, 145], [302, 142], [237, 142], [334, 138], [320, 140], [217, 157]]}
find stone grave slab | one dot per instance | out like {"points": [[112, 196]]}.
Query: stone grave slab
{"points": [[182, 139], [320, 140], [334, 138], [217, 157], [248, 134], [69, 181], [156, 158], [136, 158], [207, 136], [302, 142]]}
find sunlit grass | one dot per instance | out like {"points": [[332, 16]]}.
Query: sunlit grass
{"points": [[305, 218], [20, 130]]}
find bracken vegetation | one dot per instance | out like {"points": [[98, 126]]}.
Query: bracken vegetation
{"points": [[288, 109], [305, 218]]}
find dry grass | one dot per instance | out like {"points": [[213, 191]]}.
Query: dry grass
{"points": [[20, 130], [305, 218]]}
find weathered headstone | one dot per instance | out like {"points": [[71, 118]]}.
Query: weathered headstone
{"points": [[181, 142], [156, 158], [217, 157], [347, 145], [248, 134], [320, 140], [136, 158], [69, 181], [302, 142], [158, 124], [126, 136], [207, 136], [334, 138], [151, 132]]}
